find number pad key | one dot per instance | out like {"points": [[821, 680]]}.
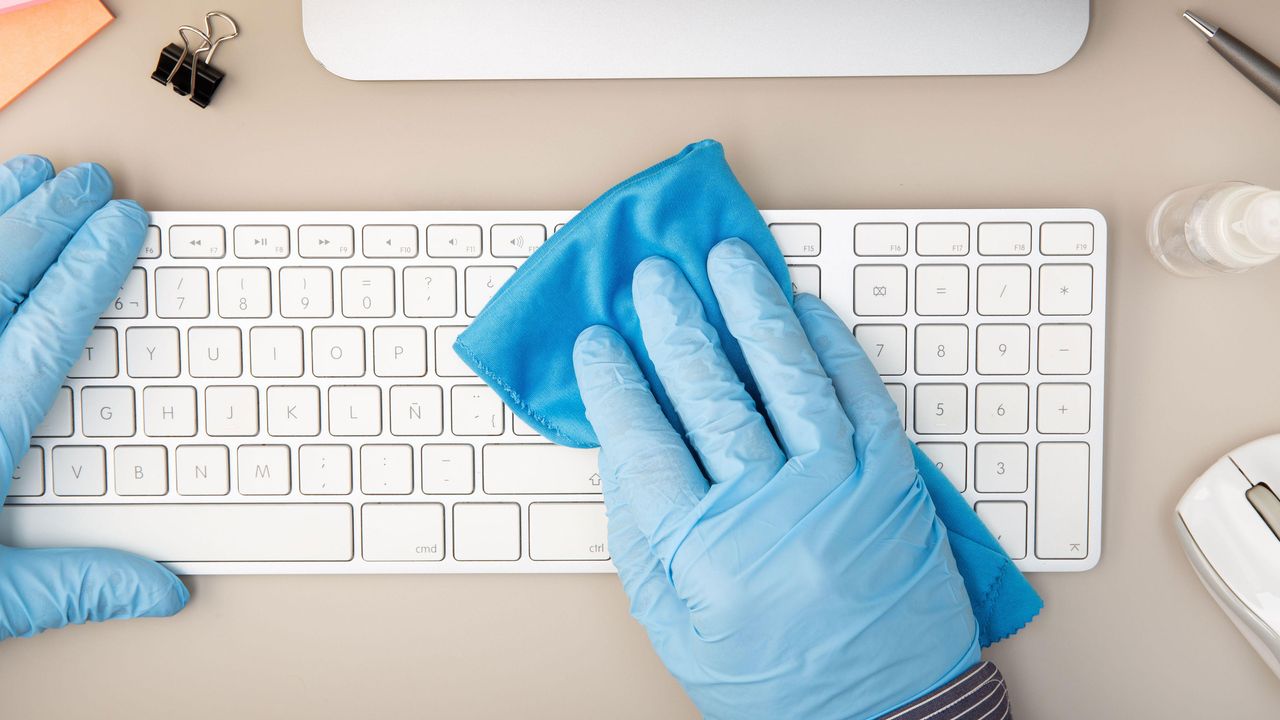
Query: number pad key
{"points": [[1002, 408], [942, 349], [941, 409], [951, 459], [1063, 408], [1065, 349], [1004, 289], [885, 345], [880, 290], [1008, 522], [942, 290], [1000, 467], [1066, 289], [1004, 349]]}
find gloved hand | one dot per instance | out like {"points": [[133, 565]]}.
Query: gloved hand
{"points": [[796, 568], [65, 249]]}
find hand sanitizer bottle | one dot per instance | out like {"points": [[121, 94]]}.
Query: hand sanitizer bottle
{"points": [[1225, 228]]}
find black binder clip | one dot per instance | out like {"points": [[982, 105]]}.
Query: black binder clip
{"points": [[189, 73]]}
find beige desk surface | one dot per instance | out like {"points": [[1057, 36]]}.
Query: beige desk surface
{"points": [[1143, 110]]}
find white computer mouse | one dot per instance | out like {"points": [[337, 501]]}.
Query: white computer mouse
{"points": [[1229, 523]]}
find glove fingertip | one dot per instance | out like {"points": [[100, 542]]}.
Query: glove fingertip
{"points": [[30, 170]]}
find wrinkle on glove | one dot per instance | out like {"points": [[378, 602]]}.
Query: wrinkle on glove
{"points": [[522, 342]]}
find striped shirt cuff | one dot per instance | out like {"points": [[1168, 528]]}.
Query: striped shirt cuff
{"points": [[978, 694]]}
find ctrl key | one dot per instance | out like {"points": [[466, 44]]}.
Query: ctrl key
{"points": [[412, 532]]}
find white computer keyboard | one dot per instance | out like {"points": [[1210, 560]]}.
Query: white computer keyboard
{"points": [[276, 391]]}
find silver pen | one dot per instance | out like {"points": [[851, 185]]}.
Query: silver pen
{"points": [[1261, 72]]}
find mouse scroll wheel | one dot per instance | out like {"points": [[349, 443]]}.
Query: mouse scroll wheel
{"points": [[1264, 500]]}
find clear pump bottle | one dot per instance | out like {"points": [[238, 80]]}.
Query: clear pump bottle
{"points": [[1224, 228]]}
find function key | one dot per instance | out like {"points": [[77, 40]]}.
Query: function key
{"points": [[261, 241], [390, 241], [942, 239], [880, 239], [197, 241], [798, 239], [1004, 238], [326, 241], [151, 245], [516, 240], [453, 241], [1066, 238]]}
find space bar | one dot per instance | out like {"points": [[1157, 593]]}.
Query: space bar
{"points": [[188, 533]]}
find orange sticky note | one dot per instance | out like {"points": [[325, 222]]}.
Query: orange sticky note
{"points": [[35, 39]]}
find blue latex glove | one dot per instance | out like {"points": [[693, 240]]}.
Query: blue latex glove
{"points": [[65, 249], [796, 567]]}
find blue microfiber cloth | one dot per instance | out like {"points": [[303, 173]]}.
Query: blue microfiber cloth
{"points": [[522, 342]]}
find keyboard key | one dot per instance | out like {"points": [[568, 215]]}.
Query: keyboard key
{"points": [[880, 239], [293, 411], [244, 292], [390, 241], [152, 352], [806, 279], [417, 410], [880, 290], [1002, 408], [324, 469], [306, 292], [326, 241], [1066, 289], [214, 352], [952, 459], [263, 470], [169, 411], [182, 292], [798, 239], [1008, 522], [386, 469], [941, 409], [1004, 289], [1062, 500], [151, 243], [1000, 467], [568, 531], [486, 531], [448, 470], [1063, 408], [942, 290], [261, 241], [540, 470], [1066, 238], [231, 411], [131, 303], [28, 477], [189, 532], [1065, 349], [355, 410], [448, 364], [483, 283], [898, 394], [942, 349], [885, 345], [77, 471], [141, 470], [430, 292], [1004, 238], [402, 531], [368, 292], [58, 421], [476, 410], [453, 241], [107, 412], [275, 352], [942, 239], [400, 351], [516, 240], [337, 351], [202, 470], [101, 356], [1004, 349], [520, 427], [197, 241]]}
